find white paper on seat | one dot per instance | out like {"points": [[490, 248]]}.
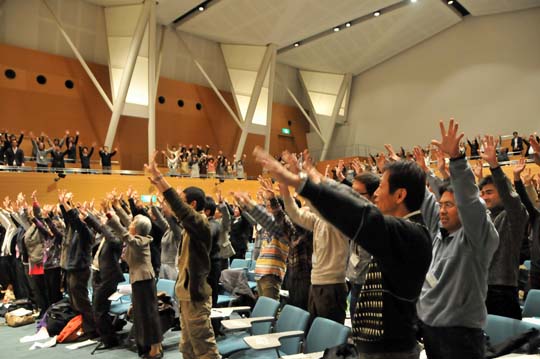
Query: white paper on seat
{"points": [[124, 289], [81, 344], [21, 312], [49, 343], [115, 296]]}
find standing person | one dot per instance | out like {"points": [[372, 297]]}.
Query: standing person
{"points": [[41, 154], [141, 276], [58, 162], [464, 240], [394, 233], [106, 274], [71, 145], [192, 290], [85, 156], [106, 156], [510, 218], [517, 143], [79, 257], [214, 217], [240, 234], [14, 154]]}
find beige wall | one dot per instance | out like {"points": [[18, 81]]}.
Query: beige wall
{"points": [[484, 71]]}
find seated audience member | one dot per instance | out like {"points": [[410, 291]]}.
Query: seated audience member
{"points": [[85, 155], [464, 240], [394, 233], [106, 156], [510, 218], [192, 289]]}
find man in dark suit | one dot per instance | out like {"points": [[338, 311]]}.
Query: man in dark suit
{"points": [[517, 143], [14, 155]]}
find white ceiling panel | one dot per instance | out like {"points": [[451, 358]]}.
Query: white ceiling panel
{"points": [[166, 11], [366, 44], [282, 22], [488, 7]]}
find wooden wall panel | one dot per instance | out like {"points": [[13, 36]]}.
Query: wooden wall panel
{"points": [[26, 105], [86, 187]]}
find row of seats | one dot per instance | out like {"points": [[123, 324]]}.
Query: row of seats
{"points": [[262, 340]]}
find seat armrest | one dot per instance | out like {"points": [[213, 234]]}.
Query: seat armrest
{"points": [[270, 341], [244, 323]]}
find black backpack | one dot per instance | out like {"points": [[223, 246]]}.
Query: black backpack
{"points": [[58, 315]]}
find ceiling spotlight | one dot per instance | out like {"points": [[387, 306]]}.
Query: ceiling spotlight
{"points": [[348, 24], [377, 13], [296, 44], [201, 8], [413, 1], [336, 29], [450, 2]]}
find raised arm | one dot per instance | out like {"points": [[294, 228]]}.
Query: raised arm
{"points": [[472, 211]]}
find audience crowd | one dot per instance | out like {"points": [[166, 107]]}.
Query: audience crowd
{"points": [[423, 255]]}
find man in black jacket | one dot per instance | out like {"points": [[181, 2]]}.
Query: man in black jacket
{"points": [[106, 156], [14, 154], [394, 234], [106, 274], [79, 258]]}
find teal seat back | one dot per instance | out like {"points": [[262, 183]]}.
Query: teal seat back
{"points": [[265, 307], [291, 318], [325, 333]]}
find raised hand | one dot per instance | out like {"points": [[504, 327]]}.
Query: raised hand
{"points": [[381, 162], [391, 153], [519, 168], [441, 163], [450, 139], [292, 161], [420, 158], [275, 168], [478, 170], [490, 151], [527, 176], [534, 143]]}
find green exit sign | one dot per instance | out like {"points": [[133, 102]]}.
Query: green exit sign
{"points": [[285, 131]]}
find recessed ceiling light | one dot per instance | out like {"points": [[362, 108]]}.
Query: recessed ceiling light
{"points": [[377, 13], [450, 2], [201, 8], [348, 24], [336, 29], [413, 0], [296, 44]]}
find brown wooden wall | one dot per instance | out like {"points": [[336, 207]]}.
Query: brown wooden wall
{"points": [[27, 105], [87, 187]]}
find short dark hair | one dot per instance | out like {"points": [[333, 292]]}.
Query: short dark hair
{"points": [[370, 180], [210, 205], [407, 175], [485, 181], [195, 194], [446, 187]]}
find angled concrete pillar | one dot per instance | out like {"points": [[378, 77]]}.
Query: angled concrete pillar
{"points": [[251, 70], [328, 97]]}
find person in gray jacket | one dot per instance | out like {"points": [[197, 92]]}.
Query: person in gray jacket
{"points": [[451, 307], [510, 218]]}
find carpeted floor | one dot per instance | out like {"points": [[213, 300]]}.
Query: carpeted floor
{"points": [[11, 348]]}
